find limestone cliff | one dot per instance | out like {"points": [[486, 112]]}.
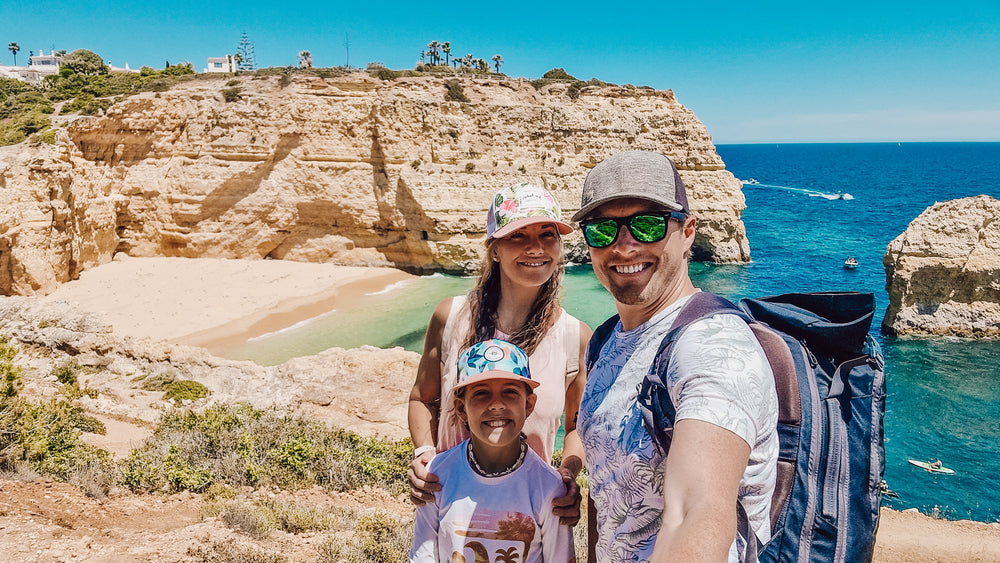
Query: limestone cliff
{"points": [[943, 272], [351, 170]]}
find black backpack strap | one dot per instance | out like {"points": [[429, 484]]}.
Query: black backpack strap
{"points": [[598, 339]]}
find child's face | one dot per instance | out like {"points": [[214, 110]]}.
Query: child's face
{"points": [[495, 410]]}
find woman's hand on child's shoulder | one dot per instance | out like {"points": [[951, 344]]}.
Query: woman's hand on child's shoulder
{"points": [[423, 484]]}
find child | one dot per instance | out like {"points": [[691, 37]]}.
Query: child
{"points": [[495, 501]]}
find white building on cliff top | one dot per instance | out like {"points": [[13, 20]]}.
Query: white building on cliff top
{"points": [[220, 64]]}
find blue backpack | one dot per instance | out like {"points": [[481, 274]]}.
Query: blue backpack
{"points": [[830, 380]]}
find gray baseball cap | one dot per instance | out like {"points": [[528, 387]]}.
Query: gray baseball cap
{"points": [[633, 174]]}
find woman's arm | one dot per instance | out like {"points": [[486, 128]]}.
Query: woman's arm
{"points": [[425, 407], [568, 507]]}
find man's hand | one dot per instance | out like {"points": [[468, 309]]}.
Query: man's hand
{"points": [[567, 508], [423, 484]]}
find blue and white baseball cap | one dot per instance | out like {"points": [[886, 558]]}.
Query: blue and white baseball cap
{"points": [[493, 359]]}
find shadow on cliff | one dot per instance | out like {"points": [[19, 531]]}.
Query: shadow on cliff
{"points": [[403, 224], [234, 190]]}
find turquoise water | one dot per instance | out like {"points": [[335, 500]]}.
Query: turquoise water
{"points": [[944, 395]]}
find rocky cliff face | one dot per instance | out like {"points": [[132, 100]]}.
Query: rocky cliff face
{"points": [[351, 170], [943, 272]]}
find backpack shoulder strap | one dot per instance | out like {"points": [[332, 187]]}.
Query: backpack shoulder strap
{"points": [[658, 412], [598, 339], [657, 408]]}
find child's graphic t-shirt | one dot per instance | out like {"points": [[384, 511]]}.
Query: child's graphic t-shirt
{"points": [[494, 519]]}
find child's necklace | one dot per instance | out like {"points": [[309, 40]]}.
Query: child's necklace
{"points": [[478, 469]]}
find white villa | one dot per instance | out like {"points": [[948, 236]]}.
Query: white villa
{"points": [[220, 64], [42, 65], [39, 66]]}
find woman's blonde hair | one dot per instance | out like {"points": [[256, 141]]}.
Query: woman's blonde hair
{"points": [[484, 302]]}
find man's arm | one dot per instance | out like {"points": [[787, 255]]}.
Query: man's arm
{"points": [[701, 480]]}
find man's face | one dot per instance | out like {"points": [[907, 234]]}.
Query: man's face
{"points": [[636, 273]]}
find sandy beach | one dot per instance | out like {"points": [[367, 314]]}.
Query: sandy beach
{"points": [[212, 302]]}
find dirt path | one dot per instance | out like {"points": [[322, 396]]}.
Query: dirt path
{"points": [[44, 521]]}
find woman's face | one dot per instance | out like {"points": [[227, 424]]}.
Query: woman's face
{"points": [[530, 255]]}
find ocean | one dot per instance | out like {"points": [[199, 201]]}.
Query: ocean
{"points": [[812, 206]]}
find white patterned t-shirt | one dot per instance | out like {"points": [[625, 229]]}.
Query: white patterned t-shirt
{"points": [[506, 518], [717, 373]]}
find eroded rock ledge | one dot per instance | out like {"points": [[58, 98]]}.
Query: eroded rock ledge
{"points": [[943, 272], [350, 170], [363, 389]]}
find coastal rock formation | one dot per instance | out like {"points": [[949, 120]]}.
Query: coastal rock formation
{"points": [[943, 272], [350, 170], [359, 389]]}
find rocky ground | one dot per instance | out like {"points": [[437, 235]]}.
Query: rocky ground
{"points": [[42, 521], [362, 389]]}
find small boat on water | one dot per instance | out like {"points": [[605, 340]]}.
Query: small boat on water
{"points": [[845, 196], [850, 263], [752, 181], [932, 466]]}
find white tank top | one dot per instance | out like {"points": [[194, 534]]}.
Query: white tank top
{"points": [[554, 365]]}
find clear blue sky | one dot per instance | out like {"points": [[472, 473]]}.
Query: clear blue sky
{"points": [[752, 71]]}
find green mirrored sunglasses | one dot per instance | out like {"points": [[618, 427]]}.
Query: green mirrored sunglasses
{"points": [[602, 232]]}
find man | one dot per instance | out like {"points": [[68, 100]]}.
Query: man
{"points": [[636, 221]]}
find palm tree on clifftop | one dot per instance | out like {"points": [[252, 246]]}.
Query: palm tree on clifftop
{"points": [[432, 50], [14, 48], [305, 59], [497, 61], [446, 49]]}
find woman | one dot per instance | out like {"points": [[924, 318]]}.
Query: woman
{"points": [[516, 298]]}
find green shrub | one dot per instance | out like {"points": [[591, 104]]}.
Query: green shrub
{"points": [[378, 537], [86, 104], [385, 74], [159, 84], [240, 445], [11, 86], [454, 92], [259, 518], [45, 436], [157, 382], [48, 136], [231, 94], [178, 69], [185, 390], [558, 74], [17, 129], [83, 61], [10, 374], [65, 374], [229, 552]]}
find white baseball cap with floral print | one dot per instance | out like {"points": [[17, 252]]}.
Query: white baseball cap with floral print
{"points": [[521, 205]]}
